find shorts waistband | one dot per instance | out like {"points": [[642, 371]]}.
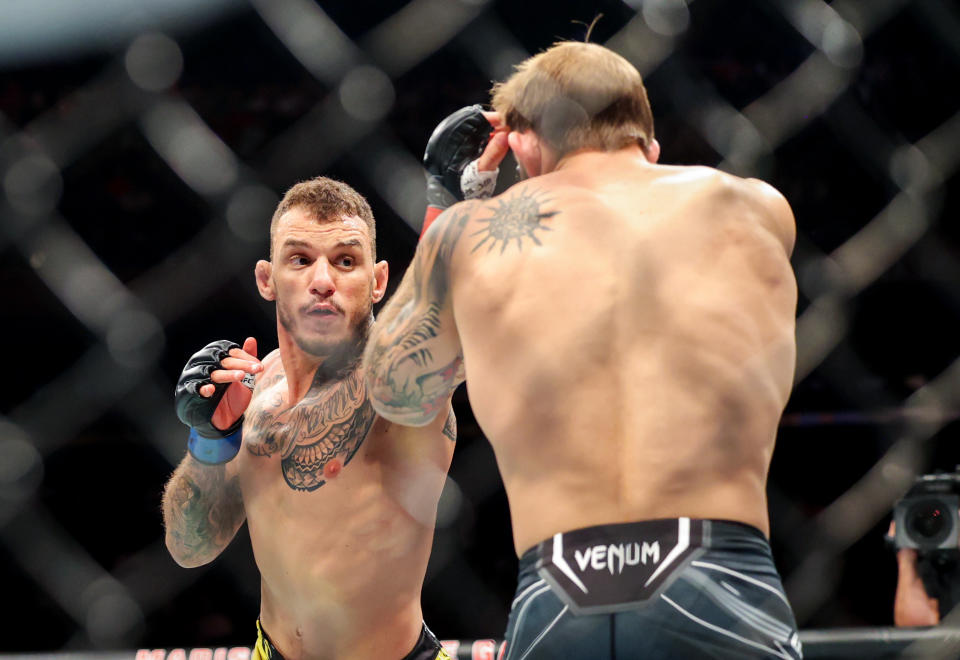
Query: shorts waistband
{"points": [[426, 648], [716, 533]]}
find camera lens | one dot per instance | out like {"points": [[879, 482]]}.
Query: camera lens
{"points": [[929, 522]]}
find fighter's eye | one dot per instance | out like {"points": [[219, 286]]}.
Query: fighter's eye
{"points": [[299, 260], [347, 261]]}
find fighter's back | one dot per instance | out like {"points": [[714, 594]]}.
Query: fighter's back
{"points": [[628, 337]]}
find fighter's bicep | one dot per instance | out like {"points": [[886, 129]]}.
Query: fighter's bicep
{"points": [[432, 304], [415, 362]]}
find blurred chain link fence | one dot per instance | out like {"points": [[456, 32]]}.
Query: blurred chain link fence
{"points": [[127, 321]]}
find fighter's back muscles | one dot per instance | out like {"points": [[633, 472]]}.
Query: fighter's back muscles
{"points": [[413, 358], [562, 332], [773, 210]]}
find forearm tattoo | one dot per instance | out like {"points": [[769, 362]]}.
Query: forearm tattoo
{"points": [[202, 511]]}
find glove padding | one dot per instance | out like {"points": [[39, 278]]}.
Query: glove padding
{"points": [[457, 140], [194, 410]]}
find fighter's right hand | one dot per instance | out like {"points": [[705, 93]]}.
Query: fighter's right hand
{"points": [[211, 396]]}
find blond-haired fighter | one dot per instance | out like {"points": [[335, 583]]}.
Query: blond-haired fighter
{"points": [[626, 331], [340, 503]]}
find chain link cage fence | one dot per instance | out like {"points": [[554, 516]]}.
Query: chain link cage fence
{"points": [[143, 148]]}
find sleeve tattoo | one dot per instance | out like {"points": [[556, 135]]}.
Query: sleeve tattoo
{"points": [[450, 426], [413, 360], [202, 511]]}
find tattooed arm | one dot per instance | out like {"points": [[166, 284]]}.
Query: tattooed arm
{"points": [[202, 511], [413, 360]]}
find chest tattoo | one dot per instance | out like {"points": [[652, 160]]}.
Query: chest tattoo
{"points": [[330, 423]]}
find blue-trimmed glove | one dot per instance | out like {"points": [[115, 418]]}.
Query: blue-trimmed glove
{"points": [[455, 142], [207, 443]]}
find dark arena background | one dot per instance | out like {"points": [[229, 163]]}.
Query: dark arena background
{"points": [[143, 147]]}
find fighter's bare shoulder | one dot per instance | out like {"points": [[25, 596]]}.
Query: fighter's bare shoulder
{"points": [[440, 239], [271, 359], [773, 208], [272, 370], [759, 199], [458, 214], [518, 217]]}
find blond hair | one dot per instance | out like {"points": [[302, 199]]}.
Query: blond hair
{"points": [[326, 200], [577, 96]]}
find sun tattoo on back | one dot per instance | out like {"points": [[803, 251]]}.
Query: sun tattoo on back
{"points": [[515, 218]]}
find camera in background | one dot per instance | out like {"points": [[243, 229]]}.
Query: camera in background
{"points": [[928, 517]]}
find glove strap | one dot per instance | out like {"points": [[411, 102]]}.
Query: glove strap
{"points": [[214, 451]]}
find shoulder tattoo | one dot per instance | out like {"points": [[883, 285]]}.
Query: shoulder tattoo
{"points": [[516, 218]]}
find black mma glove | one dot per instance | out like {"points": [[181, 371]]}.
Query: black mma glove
{"points": [[455, 143], [207, 443]]}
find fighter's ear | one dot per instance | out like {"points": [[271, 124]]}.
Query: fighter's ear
{"points": [[526, 149], [652, 152], [381, 273], [263, 273]]}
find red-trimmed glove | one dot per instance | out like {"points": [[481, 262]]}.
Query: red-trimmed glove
{"points": [[455, 143]]}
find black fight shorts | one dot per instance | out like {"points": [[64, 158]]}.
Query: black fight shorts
{"points": [[674, 588]]}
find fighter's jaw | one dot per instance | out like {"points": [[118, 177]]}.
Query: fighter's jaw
{"points": [[306, 328], [321, 327], [319, 344]]}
